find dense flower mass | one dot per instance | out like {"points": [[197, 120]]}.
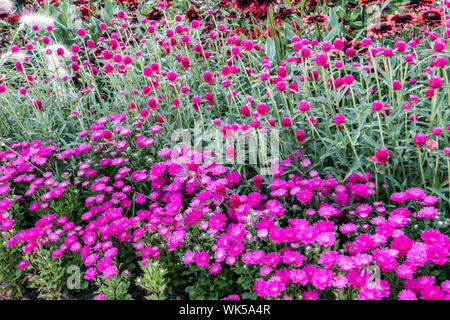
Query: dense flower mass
{"points": [[191, 149], [324, 232]]}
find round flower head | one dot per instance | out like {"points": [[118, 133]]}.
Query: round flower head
{"points": [[303, 105], [338, 118], [377, 105], [382, 155], [396, 85], [420, 139], [107, 135], [171, 75], [436, 130], [435, 82], [286, 122], [262, 108]]}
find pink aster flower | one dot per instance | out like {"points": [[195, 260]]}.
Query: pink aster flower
{"points": [[90, 273], [214, 268], [329, 258], [110, 271], [415, 194], [322, 278], [326, 239], [417, 255], [405, 271], [432, 293], [348, 228], [274, 287], [427, 212], [202, 259], [339, 282], [310, 295], [437, 254], [368, 293], [299, 276], [22, 264], [431, 236], [406, 294]]}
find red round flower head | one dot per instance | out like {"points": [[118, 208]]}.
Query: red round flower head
{"points": [[396, 85], [303, 105], [195, 24], [245, 110], [257, 181], [152, 103], [147, 71], [286, 122], [435, 82], [107, 135], [255, 122], [382, 155], [144, 112], [338, 118], [420, 139], [172, 75], [338, 44], [436, 130], [377, 105], [262, 108], [235, 200], [348, 79], [280, 86], [300, 134]]}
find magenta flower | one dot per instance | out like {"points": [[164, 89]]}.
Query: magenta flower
{"points": [[303, 105], [419, 139], [338, 118], [435, 82], [381, 156]]}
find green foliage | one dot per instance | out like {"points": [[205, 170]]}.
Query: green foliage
{"points": [[49, 275], [153, 280], [11, 278], [115, 288]]}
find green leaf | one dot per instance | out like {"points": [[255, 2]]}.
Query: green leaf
{"points": [[333, 33], [270, 49]]}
